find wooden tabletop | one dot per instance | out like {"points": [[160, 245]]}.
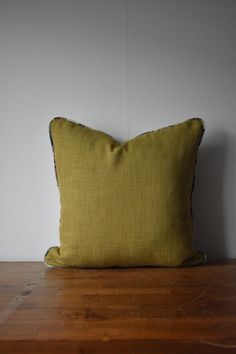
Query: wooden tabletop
{"points": [[135, 310]]}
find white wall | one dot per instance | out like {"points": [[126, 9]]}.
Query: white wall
{"points": [[125, 67]]}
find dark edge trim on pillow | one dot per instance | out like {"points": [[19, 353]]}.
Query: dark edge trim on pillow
{"points": [[195, 162], [194, 176], [168, 126], [51, 140], [53, 150]]}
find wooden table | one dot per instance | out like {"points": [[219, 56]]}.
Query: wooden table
{"points": [[135, 311]]}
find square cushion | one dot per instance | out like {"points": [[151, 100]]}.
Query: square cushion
{"points": [[125, 204]]}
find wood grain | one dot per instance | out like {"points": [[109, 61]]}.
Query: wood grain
{"points": [[135, 310]]}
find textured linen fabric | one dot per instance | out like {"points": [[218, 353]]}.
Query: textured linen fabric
{"points": [[125, 204]]}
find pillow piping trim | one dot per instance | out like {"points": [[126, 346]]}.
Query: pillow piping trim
{"points": [[150, 131], [194, 180], [52, 145]]}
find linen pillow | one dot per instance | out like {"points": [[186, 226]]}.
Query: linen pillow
{"points": [[125, 204]]}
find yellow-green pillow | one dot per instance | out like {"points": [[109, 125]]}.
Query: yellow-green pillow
{"points": [[125, 204]]}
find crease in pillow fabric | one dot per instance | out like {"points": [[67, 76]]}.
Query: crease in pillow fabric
{"points": [[125, 204]]}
